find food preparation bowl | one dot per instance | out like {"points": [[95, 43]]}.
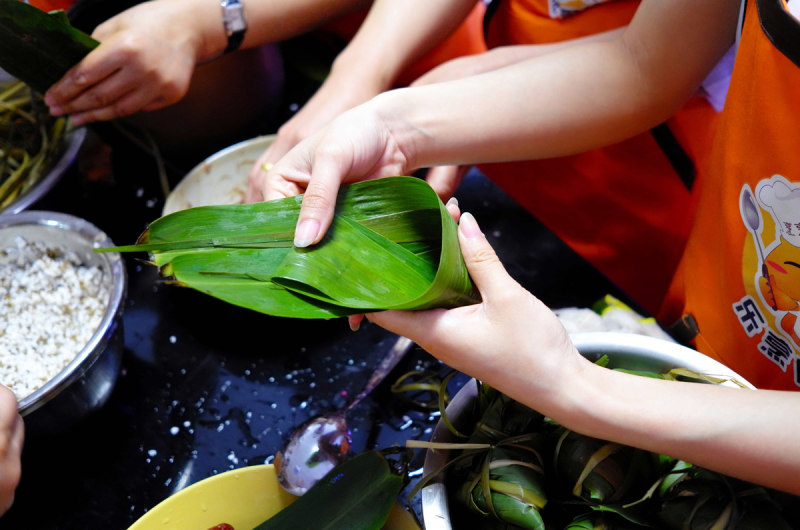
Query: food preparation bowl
{"points": [[70, 144], [219, 179], [241, 498], [624, 350], [85, 383]]}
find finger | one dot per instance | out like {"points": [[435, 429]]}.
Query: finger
{"points": [[319, 201], [125, 104], [418, 326], [255, 179], [483, 265], [453, 209], [93, 69], [277, 186], [355, 321]]}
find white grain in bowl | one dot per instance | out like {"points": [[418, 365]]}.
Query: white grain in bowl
{"points": [[50, 306]]}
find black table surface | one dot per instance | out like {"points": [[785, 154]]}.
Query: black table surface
{"points": [[207, 387]]}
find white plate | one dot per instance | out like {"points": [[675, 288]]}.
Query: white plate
{"points": [[220, 178]]}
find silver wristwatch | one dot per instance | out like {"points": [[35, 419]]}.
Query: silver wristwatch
{"points": [[235, 24]]}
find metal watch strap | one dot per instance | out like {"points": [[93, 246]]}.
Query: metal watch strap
{"points": [[235, 24]]}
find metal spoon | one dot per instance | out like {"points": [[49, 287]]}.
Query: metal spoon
{"points": [[322, 442], [753, 219]]}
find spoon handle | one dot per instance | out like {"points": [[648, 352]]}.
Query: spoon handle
{"points": [[387, 364]]}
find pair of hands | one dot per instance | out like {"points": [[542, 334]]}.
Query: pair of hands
{"points": [[12, 435]]}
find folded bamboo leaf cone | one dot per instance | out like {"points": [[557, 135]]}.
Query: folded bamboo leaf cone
{"points": [[392, 245]]}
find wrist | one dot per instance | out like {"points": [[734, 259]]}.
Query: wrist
{"points": [[233, 20], [209, 18]]}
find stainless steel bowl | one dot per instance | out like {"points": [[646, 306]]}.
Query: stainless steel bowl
{"points": [[72, 144], [85, 384], [624, 350]]}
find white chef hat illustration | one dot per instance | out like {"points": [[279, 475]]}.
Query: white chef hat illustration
{"points": [[784, 200]]}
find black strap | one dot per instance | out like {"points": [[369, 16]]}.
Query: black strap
{"points": [[234, 41], [685, 329], [677, 156], [782, 29]]}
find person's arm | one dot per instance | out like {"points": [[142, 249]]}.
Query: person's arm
{"points": [[392, 37], [503, 56], [147, 54], [445, 179], [12, 434], [513, 342], [565, 102]]}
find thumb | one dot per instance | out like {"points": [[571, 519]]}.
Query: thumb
{"points": [[483, 265], [319, 202]]}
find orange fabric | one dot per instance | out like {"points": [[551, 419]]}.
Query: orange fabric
{"points": [[529, 22], [623, 208], [720, 277], [467, 39]]}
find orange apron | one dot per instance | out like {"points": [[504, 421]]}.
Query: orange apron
{"points": [[624, 208], [740, 276]]}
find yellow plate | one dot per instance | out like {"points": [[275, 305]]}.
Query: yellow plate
{"points": [[242, 498]]}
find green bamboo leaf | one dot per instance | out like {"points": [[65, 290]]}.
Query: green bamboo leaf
{"points": [[38, 47], [208, 272], [508, 488], [392, 245]]}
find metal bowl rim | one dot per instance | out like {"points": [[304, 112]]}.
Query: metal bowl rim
{"points": [[96, 345], [435, 510], [76, 138]]}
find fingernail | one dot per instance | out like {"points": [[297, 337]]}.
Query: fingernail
{"points": [[469, 226], [453, 201], [306, 233], [56, 111], [354, 325]]}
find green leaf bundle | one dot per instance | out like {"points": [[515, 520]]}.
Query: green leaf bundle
{"points": [[38, 47], [392, 245]]}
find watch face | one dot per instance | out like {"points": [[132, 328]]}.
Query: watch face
{"points": [[234, 17]]}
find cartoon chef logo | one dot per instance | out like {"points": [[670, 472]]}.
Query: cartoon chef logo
{"points": [[772, 214]]}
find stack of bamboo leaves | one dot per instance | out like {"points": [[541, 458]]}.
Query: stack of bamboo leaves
{"points": [[518, 469], [392, 245]]}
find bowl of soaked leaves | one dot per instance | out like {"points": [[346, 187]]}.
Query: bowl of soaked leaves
{"points": [[36, 149], [61, 309], [495, 463]]}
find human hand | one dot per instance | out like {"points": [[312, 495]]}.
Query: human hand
{"points": [[333, 97], [358, 145], [144, 62], [12, 434], [510, 340]]}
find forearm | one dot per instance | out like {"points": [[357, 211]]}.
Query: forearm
{"points": [[395, 35], [267, 20], [539, 108], [740, 432], [569, 101], [507, 55]]}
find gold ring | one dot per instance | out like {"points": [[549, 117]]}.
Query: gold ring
{"points": [[266, 166]]}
